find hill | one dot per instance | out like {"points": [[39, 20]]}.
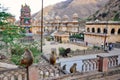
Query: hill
{"points": [[84, 8], [111, 11]]}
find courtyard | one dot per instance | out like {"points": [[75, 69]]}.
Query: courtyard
{"points": [[51, 44]]}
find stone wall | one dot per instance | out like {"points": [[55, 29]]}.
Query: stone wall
{"points": [[36, 74], [117, 45], [107, 66], [95, 32], [89, 76], [84, 52]]}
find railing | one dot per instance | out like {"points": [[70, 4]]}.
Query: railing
{"points": [[92, 64], [112, 61], [50, 72], [90, 76], [89, 65], [85, 65], [13, 74], [47, 72]]}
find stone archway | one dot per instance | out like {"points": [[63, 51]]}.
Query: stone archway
{"points": [[93, 30], [98, 30], [112, 31], [119, 31], [105, 31]]}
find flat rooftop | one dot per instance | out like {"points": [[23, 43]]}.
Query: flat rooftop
{"points": [[103, 22]]}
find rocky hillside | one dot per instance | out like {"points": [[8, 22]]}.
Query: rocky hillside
{"points": [[111, 11], [83, 8]]}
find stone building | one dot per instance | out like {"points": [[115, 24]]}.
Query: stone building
{"points": [[99, 32], [35, 26], [64, 24], [62, 28]]}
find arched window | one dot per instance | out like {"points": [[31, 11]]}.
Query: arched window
{"points": [[118, 31], [98, 30], [105, 31], [113, 31], [93, 30], [88, 29]]}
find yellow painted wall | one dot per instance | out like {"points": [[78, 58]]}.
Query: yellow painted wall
{"points": [[35, 29], [96, 38], [65, 39]]}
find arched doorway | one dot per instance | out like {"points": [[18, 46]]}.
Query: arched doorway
{"points": [[105, 31], [113, 31], [98, 30], [93, 30]]}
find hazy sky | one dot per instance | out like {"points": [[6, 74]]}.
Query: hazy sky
{"points": [[14, 6]]}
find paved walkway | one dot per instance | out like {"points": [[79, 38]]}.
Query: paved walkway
{"points": [[110, 53], [50, 44], [78, 59]]}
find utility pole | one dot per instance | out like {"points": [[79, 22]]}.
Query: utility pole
{"points": [[106, 31], [42, 27]]}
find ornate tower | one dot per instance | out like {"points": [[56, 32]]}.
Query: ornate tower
{"points": [[25, 22], [25, 17]]}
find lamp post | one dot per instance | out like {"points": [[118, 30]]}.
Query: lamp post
{"points": [[42, 26], [105, 32]]}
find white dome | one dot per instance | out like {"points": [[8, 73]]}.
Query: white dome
{"points": [[57, 17], [75, 15], [65, 17]]}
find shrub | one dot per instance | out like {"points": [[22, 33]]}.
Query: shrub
{"points": [[116, 17], [96, 47], [48, 38], [18, 50], [16, 59], [78, 36], [61, 50]]}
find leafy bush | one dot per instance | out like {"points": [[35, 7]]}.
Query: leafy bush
{"points": [[78, 36], [116, 17], [96, 47], [16, 59], [48, 38], [18, 50], [61, 50], [36, 53]]}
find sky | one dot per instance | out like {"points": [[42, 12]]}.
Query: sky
{"points": [[14, 6]]}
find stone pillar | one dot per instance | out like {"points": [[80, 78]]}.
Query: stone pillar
{"points": [[33, 73], [102, 63]]}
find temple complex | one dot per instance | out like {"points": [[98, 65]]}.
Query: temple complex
{"points": [[88, 63], [62, 28], [98, 32]]}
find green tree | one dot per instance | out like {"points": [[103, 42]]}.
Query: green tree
{"points": [[3, 16], [10, 32]]}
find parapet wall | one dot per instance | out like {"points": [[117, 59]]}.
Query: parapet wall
{"points": [[89, 75]]}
